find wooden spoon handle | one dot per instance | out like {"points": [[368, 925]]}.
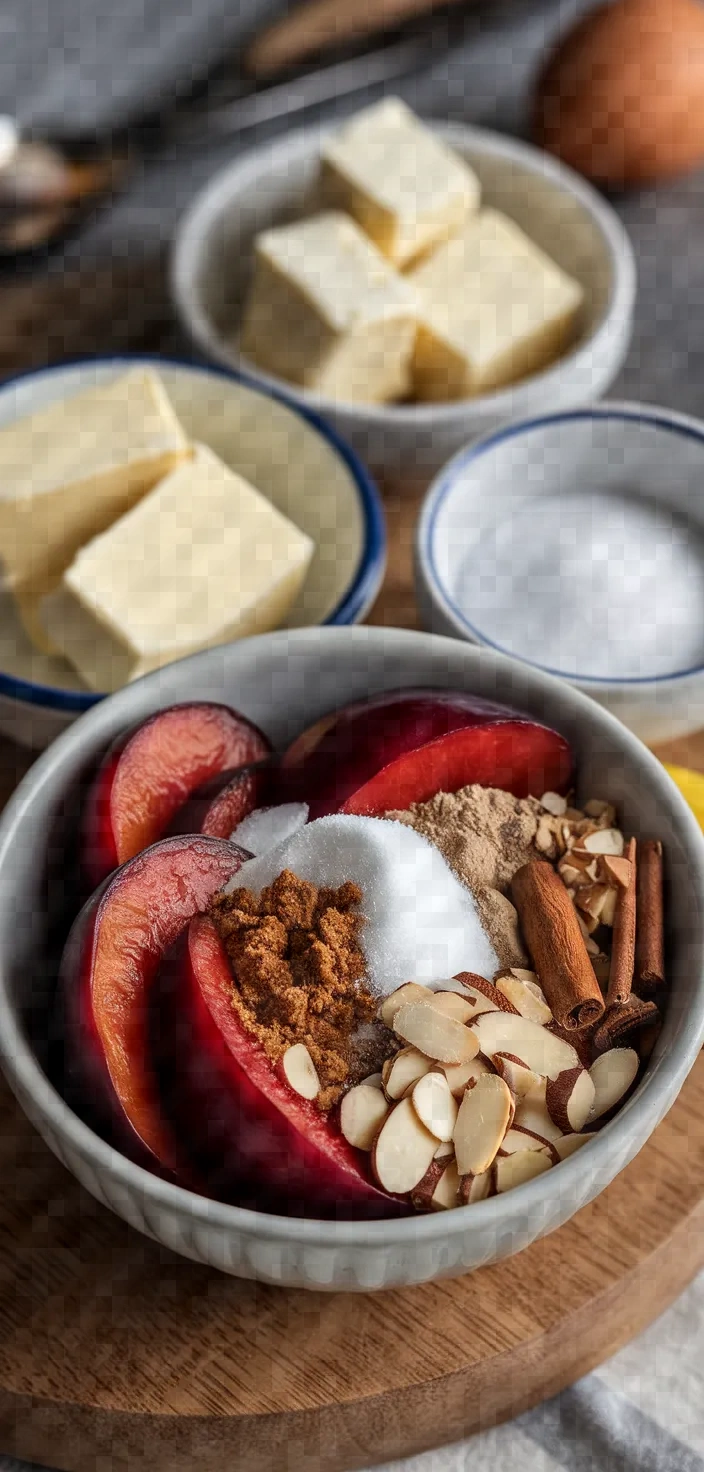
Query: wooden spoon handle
{"points": [[315, 25]]}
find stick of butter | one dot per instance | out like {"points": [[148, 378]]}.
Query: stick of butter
{"points": [[492, 307], [68, 471], [327, 311], [201, 560], [398, 180]]}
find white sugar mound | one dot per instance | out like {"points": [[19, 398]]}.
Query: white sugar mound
{"points": [[266, 828], [421, 923]]}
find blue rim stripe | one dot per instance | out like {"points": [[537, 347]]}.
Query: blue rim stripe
{"points": [[446, 484], [370, 569]]}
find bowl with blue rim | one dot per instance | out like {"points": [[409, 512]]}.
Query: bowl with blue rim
{"points": [[284, 449], [574, 541]]}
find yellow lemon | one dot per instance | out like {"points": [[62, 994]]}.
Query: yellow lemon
{"points": [[691, 785]]}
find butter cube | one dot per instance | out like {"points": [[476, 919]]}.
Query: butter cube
{"points": [[202, 559], [398, 180], [328, 312], [492, 307], [68, 471]]}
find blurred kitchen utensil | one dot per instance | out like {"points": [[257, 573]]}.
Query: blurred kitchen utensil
{"points": [[316, 25], [47, 189]]}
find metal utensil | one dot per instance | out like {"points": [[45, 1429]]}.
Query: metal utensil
{"points": [[47, 189]]}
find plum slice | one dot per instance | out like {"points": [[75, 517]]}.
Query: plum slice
{"points": [[108, 972], [150, 772], [248, 1124], [518, 756], [221, 804], [368, 752]]}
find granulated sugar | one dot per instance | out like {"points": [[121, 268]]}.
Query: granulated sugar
{"points": [[266, 827], [421, 925], [486, 835]]}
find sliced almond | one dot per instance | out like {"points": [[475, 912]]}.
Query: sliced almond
{"points": [[434, 1034], [445, 1151], [604, 841], [515, 1140], [522, 973], [362, 1111], [569, 1099], [452, 1005], [608, 913], [446, 1193], [522, 996], [597, 808], [403, 1070], [532, 1114], [587, 924], [612, 1074], [435, 1106], [461, 1075], [481, 1124], [536, 1047], [411, 991], [422, 1194], [569, 1143], [569, 875], [544, 838], [553, 803], [519, 1078], [592, 899], [300, 1072], [402, 1151], [483, 994], [475, 1188], [615, 871], [374, 1081], [515, 1170]]}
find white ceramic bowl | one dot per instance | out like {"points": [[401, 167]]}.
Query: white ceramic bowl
{"points": [[636, 450], [212, 262], [288, 454], [284, 681]]}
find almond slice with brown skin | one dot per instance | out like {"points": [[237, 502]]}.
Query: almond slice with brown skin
{"points": [[362, 1112], [542, 1051], [476, 1188], [483, 994], [569, 1099], [569, 1143], [374, 1081], [481, 1124], [461, 1075], [605, 841], [446, 1193], [532, 1114], [451, 1004], [422, 1194], [515, 1170], [402, 1151], [519, 1078], [402, 1071], [445, 1151], [612, 1074], [411, 991], [435, 1106], [524, 999], [300, 1072], [615, 871], [554, 803], [518, 1139], [437, 1036]]}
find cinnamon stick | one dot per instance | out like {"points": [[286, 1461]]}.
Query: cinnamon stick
{"points": [[556, 945], [621, 1022], [623, 946], [650, 942]]}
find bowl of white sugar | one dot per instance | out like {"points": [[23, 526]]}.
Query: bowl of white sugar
{"points": [[575, 542]]}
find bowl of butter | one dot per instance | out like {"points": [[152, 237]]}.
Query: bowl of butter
{"points": [[417, 283], [150, 509]]}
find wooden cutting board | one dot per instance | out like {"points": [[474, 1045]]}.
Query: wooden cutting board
{"points": [[117, 1355]]}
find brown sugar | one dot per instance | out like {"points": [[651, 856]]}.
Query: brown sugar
{"points": [[298, 971], [485, 835]]}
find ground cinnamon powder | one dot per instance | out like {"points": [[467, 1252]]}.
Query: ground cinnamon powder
{"points": [[486, 835], [298, 971]]}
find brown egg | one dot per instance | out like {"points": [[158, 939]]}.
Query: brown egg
{"points": [[621, 98]]}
